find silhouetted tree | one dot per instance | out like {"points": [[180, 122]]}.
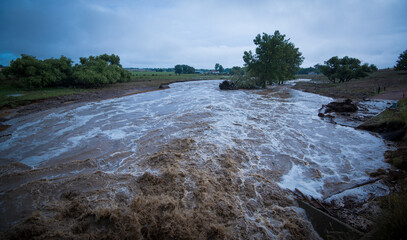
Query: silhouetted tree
{"points": [[402, 62]]}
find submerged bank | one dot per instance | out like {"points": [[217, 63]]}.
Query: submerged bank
{"points": [[179, 162]]}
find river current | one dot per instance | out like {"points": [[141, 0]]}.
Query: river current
{"points": [[223, 157]]}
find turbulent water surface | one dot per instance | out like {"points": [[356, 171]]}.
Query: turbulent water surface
{"points": [[182, 162]]}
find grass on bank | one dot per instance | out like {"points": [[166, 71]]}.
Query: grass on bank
{"points": [[383, 80], [392, 116], [12, 97], [392, 224]]}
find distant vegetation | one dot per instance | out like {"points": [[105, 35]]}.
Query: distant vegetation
{"points": [[237, 71], [183, 69], [219, 68], [401, 62], [308, 70], [345, 69], [29, 72]]}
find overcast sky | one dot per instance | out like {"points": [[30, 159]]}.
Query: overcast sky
{"points": [[201, 33]]}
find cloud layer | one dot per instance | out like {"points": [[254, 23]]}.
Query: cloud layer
{"points": [[201, 33]]}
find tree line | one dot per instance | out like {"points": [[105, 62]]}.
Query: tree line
{"points": [[94, 71], [276, 60]]}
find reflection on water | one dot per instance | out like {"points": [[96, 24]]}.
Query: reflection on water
{"points": [[230, 152]]}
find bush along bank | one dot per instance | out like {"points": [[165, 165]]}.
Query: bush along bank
{"points": [[95, 71]]}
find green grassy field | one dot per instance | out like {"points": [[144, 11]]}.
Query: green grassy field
{"points": [[11, 96]]}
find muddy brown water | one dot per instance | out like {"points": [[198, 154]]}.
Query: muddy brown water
{"points": [[186, 162]]}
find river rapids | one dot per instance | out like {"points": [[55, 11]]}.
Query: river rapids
{"points": [[187, 162]]}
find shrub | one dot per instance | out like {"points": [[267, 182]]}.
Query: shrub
{"points": [[33, 73], [30, 72], [100, 70], [392, 224]]}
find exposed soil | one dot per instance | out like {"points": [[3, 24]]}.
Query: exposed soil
{"points": [[384, 84], [394, 94]]}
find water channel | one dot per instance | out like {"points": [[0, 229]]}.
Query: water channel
{"points": [[235, 152]]}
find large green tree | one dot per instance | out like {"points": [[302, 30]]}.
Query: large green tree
{"points": [[94, 71], [345, 69], [183, 69], [402, 62], [276, 59], [217, 66], [30, 72], [97, 71]]}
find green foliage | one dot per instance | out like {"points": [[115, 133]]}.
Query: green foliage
{"points": [[221, 69], [100, 70], [393, 223], [307, 70], [31, 73], [237, 71], [401, 62], [345, 69], [246, 82], [184, 69], [178, 69], [276, 59]]}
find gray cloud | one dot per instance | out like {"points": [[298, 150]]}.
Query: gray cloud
{"points": [[201, 33]]}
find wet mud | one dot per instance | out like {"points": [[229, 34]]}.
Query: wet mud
{"points": [[189, 162], [185, 198]]}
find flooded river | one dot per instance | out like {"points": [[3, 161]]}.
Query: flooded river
{"points": [[182, 162]]}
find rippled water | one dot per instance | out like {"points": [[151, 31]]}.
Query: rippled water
{"points": [[265, 136]]}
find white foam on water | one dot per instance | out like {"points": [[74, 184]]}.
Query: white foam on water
{"points": [[279, 133], [294, 180]]}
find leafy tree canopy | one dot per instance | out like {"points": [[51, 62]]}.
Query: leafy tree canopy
{"points": [[183, 69], [217, 66], [221, 69], [308, 70], [34, 73], [237, 71], [97, 71], [94, 71], [402, 62], [344, 69], [275, 60]]}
